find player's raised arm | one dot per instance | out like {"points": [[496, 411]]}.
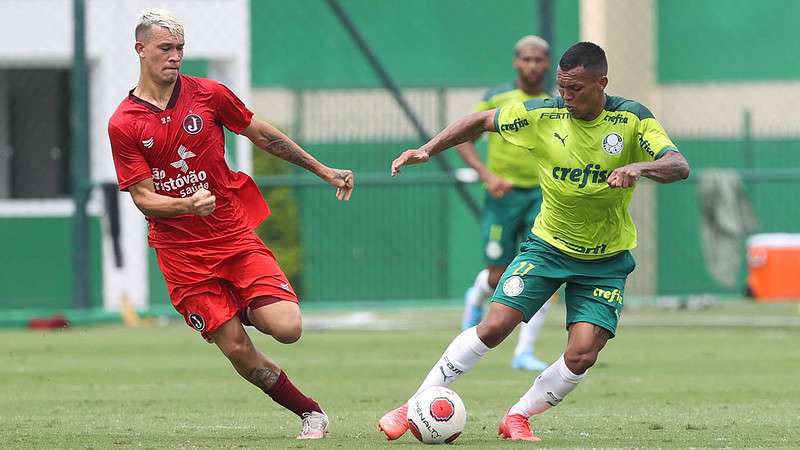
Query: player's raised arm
{"points": [[201, 203], [271, 140], [462, 130]]}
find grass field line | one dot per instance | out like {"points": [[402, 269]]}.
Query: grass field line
{"points": [[404, 320]]}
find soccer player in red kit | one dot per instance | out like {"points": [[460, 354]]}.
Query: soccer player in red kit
{"points": [[167, 140]]}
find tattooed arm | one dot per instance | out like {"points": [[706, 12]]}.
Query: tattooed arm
{"points": [[667, 169], [271, 140]]}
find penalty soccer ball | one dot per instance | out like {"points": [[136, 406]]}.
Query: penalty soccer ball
{"points": [[436, 415]]}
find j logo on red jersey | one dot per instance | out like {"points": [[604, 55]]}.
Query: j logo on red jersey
{"points": [[192, 124], [197, 321]]}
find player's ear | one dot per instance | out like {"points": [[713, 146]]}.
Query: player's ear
{"points": [[603, 81], [139, 47]]}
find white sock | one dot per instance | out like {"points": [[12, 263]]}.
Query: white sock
{"points": [[529, 331], [549, 388], [480, 289], [460, 356]]}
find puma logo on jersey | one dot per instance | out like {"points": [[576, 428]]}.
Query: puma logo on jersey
{"points": [[148, 143], [185, 154], [557, 136]]}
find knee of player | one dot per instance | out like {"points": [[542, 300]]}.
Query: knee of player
{"points": [[236, 348], [580, 361], [492, 332], [289, 333]]}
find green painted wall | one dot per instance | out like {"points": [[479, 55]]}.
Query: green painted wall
{"points": [[36, 263], [421, 42], [681, 265], [389, 242], [566, 28], [195, 67], [731, 40], [465, 246]]}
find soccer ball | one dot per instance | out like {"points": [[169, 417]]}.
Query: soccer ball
{"points": [[436, 415]]}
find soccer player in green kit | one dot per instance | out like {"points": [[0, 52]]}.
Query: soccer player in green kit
{"points": [[513, 197], [591, 149]]}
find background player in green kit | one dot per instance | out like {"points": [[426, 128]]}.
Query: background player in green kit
{"points": [[591, 149], [513, 197]]}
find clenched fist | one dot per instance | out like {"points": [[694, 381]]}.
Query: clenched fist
{"points": [[344, 181], [203, 203]]}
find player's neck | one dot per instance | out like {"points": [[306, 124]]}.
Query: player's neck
{"points": [[594, 114], [153, 92], [532, 90]]}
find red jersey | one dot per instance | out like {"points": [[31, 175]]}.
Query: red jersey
{"points": [[182, 148]]}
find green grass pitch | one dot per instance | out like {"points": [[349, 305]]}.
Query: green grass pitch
{"points": [[717, 378]]}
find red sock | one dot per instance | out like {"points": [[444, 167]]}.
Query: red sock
{"points": [[287, 395]]}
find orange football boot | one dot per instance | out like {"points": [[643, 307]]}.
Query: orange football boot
{"points": [[395, 422], [516, 428]]}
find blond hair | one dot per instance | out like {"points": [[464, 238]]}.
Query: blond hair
{"points": [[531, 41], [155, 17]]}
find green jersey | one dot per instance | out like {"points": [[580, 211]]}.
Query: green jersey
{"points": [[581, 215], [506, 160]]}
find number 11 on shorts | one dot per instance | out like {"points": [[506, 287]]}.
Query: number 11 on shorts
{"points": [[523, 269]]}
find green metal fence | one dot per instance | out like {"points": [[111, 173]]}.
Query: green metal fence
{"points": [[412, 238]]}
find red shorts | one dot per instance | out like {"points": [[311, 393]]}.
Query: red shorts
{"points": [[210, 284]]}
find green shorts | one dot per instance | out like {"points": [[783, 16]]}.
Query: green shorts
{"points": [[594, 289], [506, 221]]}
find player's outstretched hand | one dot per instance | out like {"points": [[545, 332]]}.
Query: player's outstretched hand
{"points": [[497, 186], [203, 202], [624, 177], [408, 158], [344, 181]]}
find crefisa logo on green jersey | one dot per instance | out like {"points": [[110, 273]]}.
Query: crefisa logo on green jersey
{"points": [[645, 144], [592, 173], [616, 118], [515, 125]]}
